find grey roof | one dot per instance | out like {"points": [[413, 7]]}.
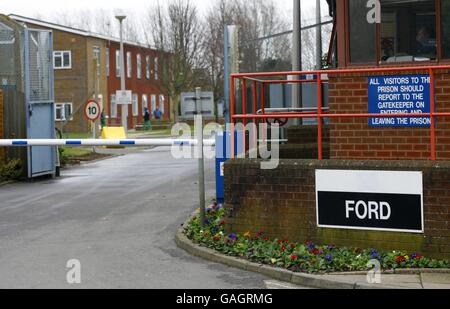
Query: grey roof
{"points": [[81, 32]]}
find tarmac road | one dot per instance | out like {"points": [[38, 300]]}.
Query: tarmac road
{"points": [[118, 217]]}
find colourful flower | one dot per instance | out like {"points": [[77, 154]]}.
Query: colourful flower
{"points": [[310, 245], [233, 237], [222, 222], [217, 238], [274, 261], [293, 246], [331, 247], [267, 238], [328, 258], [416, 256], [316, 251], [283, 248], [259, 234], [400, 259], [248, 235], [374, 254], [294, 257]]}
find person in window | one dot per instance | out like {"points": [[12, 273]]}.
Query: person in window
{"points": [[157, 113], [425, 44], [147, 122]]}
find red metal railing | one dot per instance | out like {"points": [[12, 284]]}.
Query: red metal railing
{"points": [[320, 114]]}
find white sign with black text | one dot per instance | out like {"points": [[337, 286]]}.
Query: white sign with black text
{"points": [[370, 200]]}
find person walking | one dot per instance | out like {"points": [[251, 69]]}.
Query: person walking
{"points": [[147, 122]]}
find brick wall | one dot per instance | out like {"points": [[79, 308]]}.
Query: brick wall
{"points": [[2, 153], [282, 203], [354, 139]]}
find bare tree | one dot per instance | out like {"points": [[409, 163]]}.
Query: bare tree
{"points": [[177, 29]]}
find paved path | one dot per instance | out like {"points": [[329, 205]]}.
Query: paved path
{"points": [[405, 281], [119, 218]]}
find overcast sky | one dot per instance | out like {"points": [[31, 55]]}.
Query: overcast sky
{"points": [[50, 8]]}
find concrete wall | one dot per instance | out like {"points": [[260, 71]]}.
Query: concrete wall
{"points": [[354, 139], [282, 203]]}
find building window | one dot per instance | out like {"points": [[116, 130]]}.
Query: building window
{"points": [[135, 105], [162, 104], [408, 31], [445, 17], [153, 103], [107, 62], [144, 102], [62, 60], [156, 68], [63, 112], [147, 67], [362, 34], [118, 63], [129, 65], [139, 66], [97, 58], [113, 106]]}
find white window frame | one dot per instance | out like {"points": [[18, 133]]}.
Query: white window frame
{"points": [[135, 105], [97, 54], [60, 53], [129, 65], [62, 106], [118, 68], [147, 67], [152, 103], [162, 104], [138, 66], [113, 106], [144, 103], [107, 62]]}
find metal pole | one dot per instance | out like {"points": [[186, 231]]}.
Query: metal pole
{"points": [[318, 36], [226, 45], [96, 95], [297, 56], [122, 75], [201, 161]]}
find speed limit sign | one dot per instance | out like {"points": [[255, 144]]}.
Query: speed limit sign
{"points": [[92, 110]]}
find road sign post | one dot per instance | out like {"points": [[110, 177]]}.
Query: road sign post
{"points": [[201, 161], [92, 112]]}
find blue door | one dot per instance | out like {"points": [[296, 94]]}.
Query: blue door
{"points": [[39, 92]]}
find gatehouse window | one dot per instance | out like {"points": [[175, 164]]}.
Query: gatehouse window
{"points": [[445, 21], [408, 31]]}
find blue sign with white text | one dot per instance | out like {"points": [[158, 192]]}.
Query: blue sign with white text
{"points": [[401, 94]]}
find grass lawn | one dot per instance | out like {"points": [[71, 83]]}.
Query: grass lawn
{"points": [[76, 152], [81, 135]]}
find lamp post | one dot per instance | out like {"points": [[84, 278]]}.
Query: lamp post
{"points": [[297, 56], [121, 18]]}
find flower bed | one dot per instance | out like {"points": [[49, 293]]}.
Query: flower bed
{"points": [[308, 257]]}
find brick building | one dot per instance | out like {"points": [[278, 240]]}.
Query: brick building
{"points": [[285, 202], [410, 34], [85, 64], [143, 76]]}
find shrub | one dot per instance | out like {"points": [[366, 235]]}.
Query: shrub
{"points": [[12, 170]]}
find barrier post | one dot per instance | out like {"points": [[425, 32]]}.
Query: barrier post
{"points": [[201, 161]]}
